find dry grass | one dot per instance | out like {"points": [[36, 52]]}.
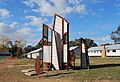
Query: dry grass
{"points": [[101, 70]]}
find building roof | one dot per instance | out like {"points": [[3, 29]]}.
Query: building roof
{"points": [[112, 47], [34, 51], [5, 53], [107, 47], [73, 47], [95, 48]]}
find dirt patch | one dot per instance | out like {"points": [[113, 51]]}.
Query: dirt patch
{"points": [[10, 71]]}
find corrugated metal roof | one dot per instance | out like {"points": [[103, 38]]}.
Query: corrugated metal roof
{"points": [[95, 48], [34, 51], [108, 47], [73, 47], [112, 47]]}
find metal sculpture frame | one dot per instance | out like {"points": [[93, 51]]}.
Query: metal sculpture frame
{"points": [[84, 54], [59, 42]]}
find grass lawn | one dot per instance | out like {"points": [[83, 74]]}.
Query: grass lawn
{"points": [[1, 60], [101, 70]]}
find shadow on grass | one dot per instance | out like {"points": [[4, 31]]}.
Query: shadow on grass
{"points": [[57, 74], [103, 65], [97, 66], [77, 68]]}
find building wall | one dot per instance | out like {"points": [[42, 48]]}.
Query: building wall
{"points": [[34, 55], [28, 55], [108, 53], [113, 52], [95, 53]]}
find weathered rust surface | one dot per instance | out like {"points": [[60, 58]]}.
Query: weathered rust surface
{"points": [[71, 59], [38, 66]]}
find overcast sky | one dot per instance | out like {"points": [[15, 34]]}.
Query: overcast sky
{"points": [[94, 19]]}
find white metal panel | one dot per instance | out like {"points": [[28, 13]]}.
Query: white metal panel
{"points": [[65, 45], [65, 26], [65, 53], [83, 48], [46, 53], [54, 53], [58, 25]]}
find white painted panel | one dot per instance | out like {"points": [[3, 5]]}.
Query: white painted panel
{"points": [[65, 53], [54, 53], [46, 53], [58, 25], [83, 48], [65, 26]]}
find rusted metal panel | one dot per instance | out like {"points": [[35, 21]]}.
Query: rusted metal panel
{"points": [[38, 66]]}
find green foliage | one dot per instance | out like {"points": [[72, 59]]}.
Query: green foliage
{"points": [[115, 35], [4, 49], [28, 49], [89, 42], [19, 52]]}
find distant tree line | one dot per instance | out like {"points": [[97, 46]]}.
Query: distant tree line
{"points": [[18, 47], [89, 42], [115, 35]]}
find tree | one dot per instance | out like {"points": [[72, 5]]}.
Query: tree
{"points": [[29, 48], [19, 44], [89, 42], [4, 40], [19, 52], [115, 35]]}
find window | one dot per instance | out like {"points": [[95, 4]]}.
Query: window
{"points": [[113, 50], [97, 51]]}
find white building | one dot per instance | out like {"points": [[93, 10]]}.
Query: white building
{"points": [[33, 54], [111, 50]]}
